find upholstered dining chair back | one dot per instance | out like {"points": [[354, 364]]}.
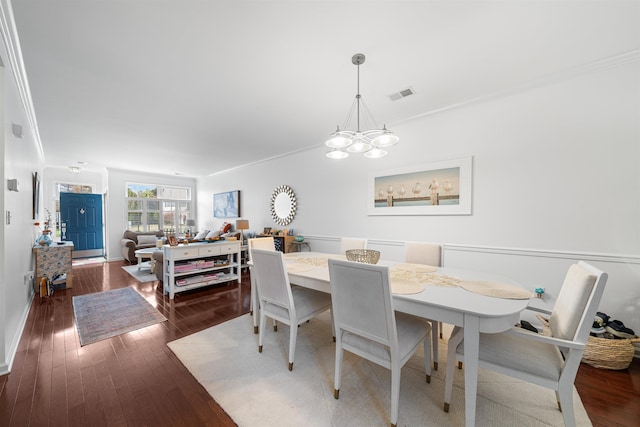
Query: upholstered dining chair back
{"points": [[266, 243], [567, 320], [273, 281], [423, 253], [362, 301], [367, 325], [347, 243], [280, 302], [429, 254], [261, 243]]}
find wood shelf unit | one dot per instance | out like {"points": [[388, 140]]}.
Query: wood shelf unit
{"points": [[200, 264]]}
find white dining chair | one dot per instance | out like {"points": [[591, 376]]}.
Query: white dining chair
{"points": [[366, 324], [266, 243], [423, 253], [347, 243], [549, 361], [280, 302], [428, 254]]}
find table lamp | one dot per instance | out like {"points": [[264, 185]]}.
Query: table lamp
{"points": [[191, 223], [242, 224]]}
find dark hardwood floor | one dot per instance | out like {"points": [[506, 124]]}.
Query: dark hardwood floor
{"points": [[135, 380]]}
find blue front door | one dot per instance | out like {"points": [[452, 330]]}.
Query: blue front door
{"points": [[81, 223]]}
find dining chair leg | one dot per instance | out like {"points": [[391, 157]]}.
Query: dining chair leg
{"points": [[338, 371], [254, 304], [395, 392], [565, 394], [434, 343], [427, 359], [454, 340], [261, 334], [293, 334]]}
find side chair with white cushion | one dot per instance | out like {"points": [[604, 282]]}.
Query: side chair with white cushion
{"points": [[266, 243], [427, 254], [367, 325], [281, 302], [347, 243], [549, 361]]}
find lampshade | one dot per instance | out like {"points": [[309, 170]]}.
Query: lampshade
{"points": [[369, 142], [242, 224], [191, 223]]}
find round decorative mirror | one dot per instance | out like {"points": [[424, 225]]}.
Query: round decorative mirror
{"points": [[283, 205]]}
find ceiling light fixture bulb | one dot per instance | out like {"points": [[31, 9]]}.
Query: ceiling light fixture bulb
{"points": [[375, 153], [359, 146], [387, 139], [337, 154], [337, 140]]}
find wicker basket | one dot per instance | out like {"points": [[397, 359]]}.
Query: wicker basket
{"points": [[368, 256], [615, 354]]}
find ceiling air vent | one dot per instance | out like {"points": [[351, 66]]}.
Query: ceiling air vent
{"points": [[401, 94]]}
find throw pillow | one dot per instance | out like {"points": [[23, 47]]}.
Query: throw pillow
{"points": [[131, 235], [201, 235], [225, 227], [147, 240]]}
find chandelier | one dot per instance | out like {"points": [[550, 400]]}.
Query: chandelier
{"points": [[370, 142]]}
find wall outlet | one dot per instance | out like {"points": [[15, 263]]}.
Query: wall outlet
{"points": [[28, 277]]}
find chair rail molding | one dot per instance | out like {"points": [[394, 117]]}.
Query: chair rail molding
{"points": [[525, 252], [546, 253]]}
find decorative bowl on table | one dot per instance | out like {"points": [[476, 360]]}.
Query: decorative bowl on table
{"points": [[299, 238], [368, 256]]}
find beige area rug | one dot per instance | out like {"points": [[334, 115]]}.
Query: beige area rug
{"points": [[143, 275], [256, 389]]}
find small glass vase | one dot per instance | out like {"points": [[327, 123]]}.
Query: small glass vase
{"points": [[44, 239]]}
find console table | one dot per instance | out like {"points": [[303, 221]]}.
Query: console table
{"points": [[196, 265], [54, 260]]}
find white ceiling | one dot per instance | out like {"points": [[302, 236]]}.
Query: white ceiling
{"points": [[197, 87]]}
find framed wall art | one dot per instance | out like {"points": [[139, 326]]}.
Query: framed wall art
{"points": [[226, 205], [36, 195], [437, 188]]}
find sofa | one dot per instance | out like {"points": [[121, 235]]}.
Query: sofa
{"points": [[133, 240], [158, 258]]}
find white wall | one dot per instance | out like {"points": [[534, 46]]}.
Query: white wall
{"points": [[21, 158], [555, 179]]}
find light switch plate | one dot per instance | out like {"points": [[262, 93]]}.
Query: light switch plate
{"points": [[12, 184]]}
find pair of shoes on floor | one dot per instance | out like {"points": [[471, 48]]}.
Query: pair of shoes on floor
{"points": [[617, 329], [597, 329], [599, 323]]}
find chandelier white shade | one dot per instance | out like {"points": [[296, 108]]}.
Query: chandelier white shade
{"points": [[370, 142]]}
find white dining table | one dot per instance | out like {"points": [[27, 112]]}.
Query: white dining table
{"points": [[474, 312]]}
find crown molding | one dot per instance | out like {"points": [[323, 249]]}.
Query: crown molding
{"points": [[14, 57], [595, 66]]}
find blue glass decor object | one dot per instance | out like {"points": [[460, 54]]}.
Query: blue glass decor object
{"points": [[44, 240]]}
